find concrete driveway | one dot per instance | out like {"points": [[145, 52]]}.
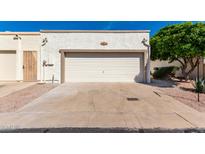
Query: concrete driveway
{"points": [[10, 87], [104, 105]]}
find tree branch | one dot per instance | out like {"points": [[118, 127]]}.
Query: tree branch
{"points": [[180, 62], [193, 65]]}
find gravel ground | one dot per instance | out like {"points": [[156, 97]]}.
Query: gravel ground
{"points": [[18, 99], [184, 92]]}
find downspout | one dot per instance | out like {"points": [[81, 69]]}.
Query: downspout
{"points": [[144, 42]]}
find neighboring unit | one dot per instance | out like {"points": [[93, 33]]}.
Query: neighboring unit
{"points": [[19, 56]]}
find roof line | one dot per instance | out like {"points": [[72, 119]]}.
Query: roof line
{"points": [[19, 33], [74, 31], [94, 31]]}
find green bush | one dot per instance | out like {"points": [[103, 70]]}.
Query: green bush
{"points": [[199, 85], [164, 72]]}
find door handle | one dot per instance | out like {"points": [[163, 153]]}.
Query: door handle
{"points": [[23, 66]]}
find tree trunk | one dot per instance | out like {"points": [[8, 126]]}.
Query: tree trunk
{"points": [[186, 72]]}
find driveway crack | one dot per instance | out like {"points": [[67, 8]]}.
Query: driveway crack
{"points": [[92, 102], [185, 119]]}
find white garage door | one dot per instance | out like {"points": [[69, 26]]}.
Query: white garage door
{"points": [[7, 65], [104, 67]]}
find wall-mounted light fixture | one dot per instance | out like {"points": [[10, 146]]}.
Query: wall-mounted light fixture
{"points": [[44, 41], [144, 42], [103, 43], [16, 37], [45, 64]]}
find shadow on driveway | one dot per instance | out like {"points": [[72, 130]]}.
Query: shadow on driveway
{"points": [[163, 83]]}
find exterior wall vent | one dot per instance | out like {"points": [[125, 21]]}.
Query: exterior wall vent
{"points": [[103, 43]]}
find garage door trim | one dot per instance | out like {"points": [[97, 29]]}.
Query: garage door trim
{"points": [[64, 51]]}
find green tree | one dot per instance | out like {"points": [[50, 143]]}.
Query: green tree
{"points": [[184, 43]]}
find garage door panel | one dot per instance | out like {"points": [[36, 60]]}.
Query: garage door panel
{"points": [[104, 67], [100, 73], [7, 65], [124, 68], [101, 55]]}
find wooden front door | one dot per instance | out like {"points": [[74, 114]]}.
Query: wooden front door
{"points": [[30, 66]]}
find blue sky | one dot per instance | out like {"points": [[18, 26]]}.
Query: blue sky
{"points": [[33, 26]]}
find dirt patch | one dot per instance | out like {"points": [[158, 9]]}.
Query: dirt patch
{"points": [[184, 92], [2, 86], [18, 99]]}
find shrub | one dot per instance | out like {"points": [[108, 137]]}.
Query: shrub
{"points": [[164, 72], [199, 85]]}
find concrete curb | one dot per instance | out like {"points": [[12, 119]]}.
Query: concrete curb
{"points": [[101, 130]]}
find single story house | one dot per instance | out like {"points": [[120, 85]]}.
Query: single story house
{"points": [[75, 56]]}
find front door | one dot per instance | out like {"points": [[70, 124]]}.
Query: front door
{"points": [[30, 66]]}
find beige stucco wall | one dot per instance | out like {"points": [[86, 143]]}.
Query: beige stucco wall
{"points": [[86, 41], [29, 42]]}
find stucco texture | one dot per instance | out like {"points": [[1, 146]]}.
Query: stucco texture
{"points": [[86, 41]]}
